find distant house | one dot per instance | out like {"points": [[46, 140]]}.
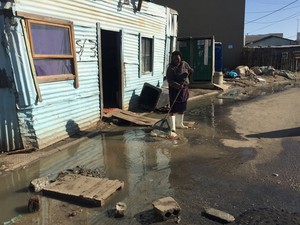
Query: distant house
{"points": [[223, 20], [269, 40], [63, 61], [256, 37]]}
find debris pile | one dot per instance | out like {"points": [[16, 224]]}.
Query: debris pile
{"points": [[245, 76], [81, 170]]}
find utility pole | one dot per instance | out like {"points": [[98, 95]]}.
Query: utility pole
{"points": [[298, 36]]}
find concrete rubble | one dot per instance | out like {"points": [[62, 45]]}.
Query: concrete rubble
{"points": [[39, 183], [167, 208], [218, 214], [120, 209]]}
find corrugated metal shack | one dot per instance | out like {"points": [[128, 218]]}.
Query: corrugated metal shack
{"points": [[63, 61], [280, 57]]}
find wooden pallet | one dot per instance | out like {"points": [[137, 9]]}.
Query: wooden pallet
{"points": [[83, 189]]}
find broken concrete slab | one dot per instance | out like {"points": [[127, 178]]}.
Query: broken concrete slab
{"points": [[167, 207], [82, 189], [218, 214], [39, 183]]}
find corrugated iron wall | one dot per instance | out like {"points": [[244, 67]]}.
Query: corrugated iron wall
{"points": [[64, 109], [112, 15], [10, 138]]}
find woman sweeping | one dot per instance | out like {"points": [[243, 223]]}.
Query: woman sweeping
{"points": [[178, 74]]}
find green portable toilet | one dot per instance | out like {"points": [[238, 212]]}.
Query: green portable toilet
{"points": [[200, 54]]}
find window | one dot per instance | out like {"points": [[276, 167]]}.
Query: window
{"points": [[147, 55], [52, 51]]}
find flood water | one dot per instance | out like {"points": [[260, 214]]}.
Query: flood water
{"points": [[197, 170]]}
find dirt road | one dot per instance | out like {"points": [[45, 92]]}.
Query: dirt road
{"points": [[241, 158], [271, 125]]}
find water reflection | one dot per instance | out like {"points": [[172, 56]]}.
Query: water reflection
{"points": [[125, 156], [151, 168]]}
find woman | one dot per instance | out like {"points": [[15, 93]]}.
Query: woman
{"points": [[178, 74]]}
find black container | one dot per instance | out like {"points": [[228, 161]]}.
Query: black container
{"points": [[153, 97]]}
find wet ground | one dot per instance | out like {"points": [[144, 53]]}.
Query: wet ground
{"points": [[197, 170]]}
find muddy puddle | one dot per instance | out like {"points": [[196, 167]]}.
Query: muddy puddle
{"points": [[196, 170]]}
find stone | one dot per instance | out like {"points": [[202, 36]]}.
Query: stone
{"points": [[120, 209], [219, 214], [39, 183], [167, 207], [33, 204]]}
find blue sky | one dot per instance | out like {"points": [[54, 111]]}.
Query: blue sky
{"points": [[273, 16]]}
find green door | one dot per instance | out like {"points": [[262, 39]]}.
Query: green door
{"points": [[202, 59], [198, 52], [185, 49]]}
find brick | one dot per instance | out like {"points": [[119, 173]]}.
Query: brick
{"points": [[167, 207]]}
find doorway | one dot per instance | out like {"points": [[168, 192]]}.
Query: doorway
{"points": [[111, 69]]}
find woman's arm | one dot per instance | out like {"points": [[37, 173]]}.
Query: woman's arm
{"points": [[171, 78]]}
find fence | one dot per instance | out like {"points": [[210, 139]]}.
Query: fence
{"points": [[280, 57]]}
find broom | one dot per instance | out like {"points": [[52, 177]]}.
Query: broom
{"points": [[163, 124]]}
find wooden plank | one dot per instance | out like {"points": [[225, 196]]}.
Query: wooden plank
{"points": [[83, 189], [132, 117], [43, 18], [138, 119], [33, 71]]}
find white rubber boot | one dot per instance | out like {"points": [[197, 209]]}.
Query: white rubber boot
{"points": [[179, 121], [173, 123], [173, 126]]}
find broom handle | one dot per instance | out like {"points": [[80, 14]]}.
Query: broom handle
{"points": [[175, 99]]}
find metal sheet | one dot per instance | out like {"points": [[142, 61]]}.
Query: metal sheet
{"points": [[110, 14], [9, 126], [64, 109]]}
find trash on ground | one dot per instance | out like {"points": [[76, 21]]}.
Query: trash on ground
{"points": [[261, 79], [13, 220], [82, 189], [231, 75], [162, 134]]}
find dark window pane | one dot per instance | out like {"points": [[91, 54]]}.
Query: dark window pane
{"points": [[147, 54], [46, 67], [50, 40]]}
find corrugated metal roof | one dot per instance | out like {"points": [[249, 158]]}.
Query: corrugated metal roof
{"points": [[106, 12]]}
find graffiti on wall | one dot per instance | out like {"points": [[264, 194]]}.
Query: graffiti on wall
{"points": [[87, 47]]}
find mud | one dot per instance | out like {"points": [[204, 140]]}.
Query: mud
{"points": [[226, 161]]}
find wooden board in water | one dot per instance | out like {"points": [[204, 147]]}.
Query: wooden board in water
{"points": [[83, 189]]}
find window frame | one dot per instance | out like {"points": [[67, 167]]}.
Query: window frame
{"points": [[72, 56], [142, 55]]}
